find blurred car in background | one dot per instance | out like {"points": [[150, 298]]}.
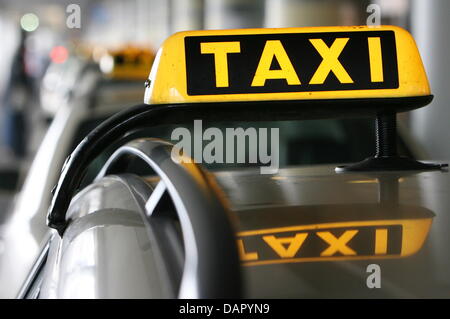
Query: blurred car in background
{"points": [[84, 97], [60, 82], [62, 79], [128, 63]]}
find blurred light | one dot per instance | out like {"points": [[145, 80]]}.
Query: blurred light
{"points": [[98, 52], [279, 178], [59, 54], [29, 22], [107, 63], [364, 181]]}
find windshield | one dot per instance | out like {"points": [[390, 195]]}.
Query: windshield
{"points": [[228, 145]]}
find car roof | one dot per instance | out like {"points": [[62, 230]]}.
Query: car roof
{"points": [[320, 184], [312, 199], [307, 199]]}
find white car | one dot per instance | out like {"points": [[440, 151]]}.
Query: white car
{"points": [[95, 99]]}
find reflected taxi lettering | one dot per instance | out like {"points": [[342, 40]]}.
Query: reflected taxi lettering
{"points": [[268, 63], [320, 244]]}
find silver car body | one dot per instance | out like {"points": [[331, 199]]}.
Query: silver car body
{"points": [[24, 233], [107, 253]]}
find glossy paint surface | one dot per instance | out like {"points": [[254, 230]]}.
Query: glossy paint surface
{"points": [[106, 251]]}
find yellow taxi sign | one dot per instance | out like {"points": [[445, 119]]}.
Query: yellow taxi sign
{"points": [[287, 64], [129, 63]]}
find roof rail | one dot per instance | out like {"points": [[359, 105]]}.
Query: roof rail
{"points": [[211, 265]]}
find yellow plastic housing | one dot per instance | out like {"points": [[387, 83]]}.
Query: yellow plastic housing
{"points": [[169, 84]]}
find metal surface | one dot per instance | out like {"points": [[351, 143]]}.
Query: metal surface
{"points": [[297, 199], [386, 157], [106, 252], [211, 264], [316, 196]]}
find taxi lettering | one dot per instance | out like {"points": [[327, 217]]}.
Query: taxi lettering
{"points": [[220, 51], [310, 245], [274, 50], [291, 62]]}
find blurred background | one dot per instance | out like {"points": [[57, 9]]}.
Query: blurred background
{"points": [[65, 66]]}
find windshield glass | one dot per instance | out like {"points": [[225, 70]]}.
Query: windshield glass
{"points": [[228, 145]]}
